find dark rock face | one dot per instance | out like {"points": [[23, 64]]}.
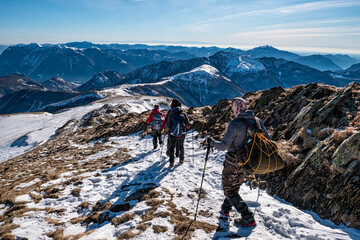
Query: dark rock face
{"points": [[101, 81], [59, 84], [16, 82], [31, 101]]}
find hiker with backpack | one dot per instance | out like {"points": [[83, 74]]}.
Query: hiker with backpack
{"points": [[156, 120], [174, 103], [177, 126], [233, 173]]}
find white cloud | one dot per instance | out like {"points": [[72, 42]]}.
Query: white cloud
{"points": [[287, 10], [300, 32]]}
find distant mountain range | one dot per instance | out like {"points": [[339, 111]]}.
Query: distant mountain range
{"points": [[79, 61], [3, 47], [247, 73], [41, 62], [196, 81]]}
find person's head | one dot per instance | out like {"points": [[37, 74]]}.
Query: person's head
{"points": [[175, 103], [156, 106], [238, 105]]}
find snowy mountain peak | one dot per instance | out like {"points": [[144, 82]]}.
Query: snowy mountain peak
{"points": [[57, 83], [197, 74], [265, 47], [230, 63], [249, 64], [206, 68]]}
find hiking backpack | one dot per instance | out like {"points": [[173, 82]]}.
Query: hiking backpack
{"points": [[156, 121], [260, 155], [177, 128]]}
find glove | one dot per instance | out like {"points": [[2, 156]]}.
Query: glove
{"points": [[148, 129], [206, 141]]}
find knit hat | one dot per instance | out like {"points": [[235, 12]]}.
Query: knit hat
{"points": [[238, 105], [175, 103], [156, 106]]}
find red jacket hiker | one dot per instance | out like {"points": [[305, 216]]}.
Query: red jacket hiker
{"points": [[156, 119], [150, 119]]}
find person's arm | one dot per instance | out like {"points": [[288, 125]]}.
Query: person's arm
{"points": [[187, 123], [168, 124], [162, 122], [227, 140], [163, 125], [150, 118]]}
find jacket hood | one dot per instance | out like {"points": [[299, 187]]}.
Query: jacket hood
{"points": [[247, 115], [156, 110]]}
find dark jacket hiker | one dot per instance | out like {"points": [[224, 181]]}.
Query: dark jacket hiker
{"points": [[233, 174], [177, 126], [174, 103], [156, 119]]}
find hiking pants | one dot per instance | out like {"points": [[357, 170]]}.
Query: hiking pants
{"points": [[156, 135], [232, 178], [168, 147], [179, 142]]}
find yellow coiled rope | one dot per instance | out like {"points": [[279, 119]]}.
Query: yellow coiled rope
{"points": [[268, 149]]}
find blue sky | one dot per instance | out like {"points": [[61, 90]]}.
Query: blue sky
{"points": [[295, 25]]}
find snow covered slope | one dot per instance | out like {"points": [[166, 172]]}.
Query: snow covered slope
{"points": [[168, 211], [97, 178], [22, 132]]}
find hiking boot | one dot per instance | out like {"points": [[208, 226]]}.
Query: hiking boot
{"points": [[181, 161], [245, 221], [171, 164]]}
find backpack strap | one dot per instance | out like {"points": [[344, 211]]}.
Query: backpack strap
{"points": [[256, 128]]}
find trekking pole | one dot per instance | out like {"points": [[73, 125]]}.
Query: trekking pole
{"points": [[161, 145], [202, 180], [193, 149], [146, 140], [257, 199]]}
